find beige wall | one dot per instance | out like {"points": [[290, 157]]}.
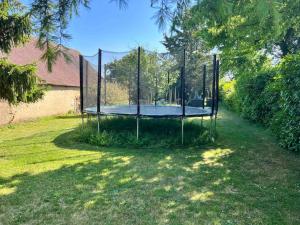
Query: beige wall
{"points": [[57, 100]]}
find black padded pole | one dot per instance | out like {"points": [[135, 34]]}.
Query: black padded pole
{"points": [[214, 85], [156, 95], [203, 86], [138, 92], [99, 88], [168, 94], [81, 81], [104, 76], [99, 80], [138, 80], [217, 85], [183, 84], [86, 82]]}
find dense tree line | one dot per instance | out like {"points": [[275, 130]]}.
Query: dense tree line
{"points": [[258, 43]]}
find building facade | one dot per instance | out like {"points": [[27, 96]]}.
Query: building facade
{"points": [[62, 95]]}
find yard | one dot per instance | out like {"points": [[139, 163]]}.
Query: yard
{"points": [[46, 177]]}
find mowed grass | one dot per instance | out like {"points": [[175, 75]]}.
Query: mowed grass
{"points": [[47, 177]]}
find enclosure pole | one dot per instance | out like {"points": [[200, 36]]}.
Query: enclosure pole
{"points": [[86, 81], [182, 130], [138, 80], [99, 87], [214, 85], [105, 84], [138, 91], [217, 85], [183, 85], [137, 127], [217, 92], [81, 86], [203, 86], [155, 100], [168, 94]]}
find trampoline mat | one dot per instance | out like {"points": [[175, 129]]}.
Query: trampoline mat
{"points": [[150, 110]]}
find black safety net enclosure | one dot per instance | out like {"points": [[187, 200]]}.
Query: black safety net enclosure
{"points": [[145, 83]]}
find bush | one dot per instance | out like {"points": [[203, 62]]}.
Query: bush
{"points": [[286, 122], [253, 96], [228, 94], [121, 132], [270, 97]]}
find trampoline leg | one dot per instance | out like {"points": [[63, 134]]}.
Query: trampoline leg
{"points": [[82, 120], [210, 128], [182, 130], [98, 121], [215, 128], [202, 121], [88, 118], [137, 128], [215, 125]]}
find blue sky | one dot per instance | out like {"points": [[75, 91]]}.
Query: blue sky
{"points": [[107, 27]]}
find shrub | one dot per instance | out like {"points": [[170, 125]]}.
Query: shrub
{"points": [[286, 122], [270, 97], [228, 94], [253, 95]]}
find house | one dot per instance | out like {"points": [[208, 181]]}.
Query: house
{"points": [[62, 95]]}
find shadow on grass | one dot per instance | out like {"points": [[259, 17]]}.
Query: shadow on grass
{"points": [[122, 186], [143, 186]]}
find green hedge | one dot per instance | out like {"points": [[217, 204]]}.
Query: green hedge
{"points": [[286, 121], [270, 97]]}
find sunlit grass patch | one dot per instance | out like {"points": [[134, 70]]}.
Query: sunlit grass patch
{"points": [[48, 177]]}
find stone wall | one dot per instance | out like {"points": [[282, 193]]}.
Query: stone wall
{"points": [[57, 100]]}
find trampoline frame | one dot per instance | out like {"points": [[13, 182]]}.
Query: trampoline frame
{"points": [[214, 105]]}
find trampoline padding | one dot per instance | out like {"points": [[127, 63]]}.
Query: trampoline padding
{"points": [[150, 110]]}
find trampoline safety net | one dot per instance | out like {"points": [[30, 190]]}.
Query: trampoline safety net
{"points": [[146, 83]]}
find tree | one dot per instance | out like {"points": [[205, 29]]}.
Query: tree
{"points": [[245, 32], [17, 83], [158, 73]]}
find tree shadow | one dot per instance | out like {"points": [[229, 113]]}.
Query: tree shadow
{"points": [[138, 186], [122, 186]]}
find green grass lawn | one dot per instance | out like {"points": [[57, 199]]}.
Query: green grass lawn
{"points": [[46, 177]]}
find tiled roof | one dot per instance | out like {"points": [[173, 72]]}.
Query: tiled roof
{"points": [[63, 73]]}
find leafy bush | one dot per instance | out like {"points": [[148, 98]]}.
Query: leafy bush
{"points": [[119, 131], [270, 97], [253, 96], [228, 94], [286, 122]]}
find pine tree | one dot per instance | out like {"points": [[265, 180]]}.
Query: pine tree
{"points": [[18, 83]]}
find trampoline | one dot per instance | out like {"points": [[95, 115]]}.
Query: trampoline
{"points": [[144, 83]]}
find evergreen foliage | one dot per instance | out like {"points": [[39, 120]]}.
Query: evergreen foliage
{"points": [[19, 83]]}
